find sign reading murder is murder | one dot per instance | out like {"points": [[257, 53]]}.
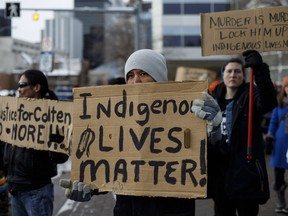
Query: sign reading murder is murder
{"points": [[29, 122], [140, 139], [263, 29]]}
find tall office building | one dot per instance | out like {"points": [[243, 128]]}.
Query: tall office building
{"points": [[5, 25], [91, 19], [93, 30], [176, 29], [66, 34]]}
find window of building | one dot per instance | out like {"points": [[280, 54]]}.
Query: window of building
{"points": [[205, 8], [182, 41], [192, 41], [196, 8], [172, 41], [221, 7], [172, 8]]}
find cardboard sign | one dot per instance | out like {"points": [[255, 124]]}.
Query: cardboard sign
{"points": [[140, 139], [29, 122], [189, 73], [232, 32]]}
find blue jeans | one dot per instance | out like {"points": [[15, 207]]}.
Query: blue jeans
{"points": [[37, 202]]}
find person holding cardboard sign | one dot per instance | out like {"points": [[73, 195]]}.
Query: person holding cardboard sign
{"points": [[141, 67], [236, 183], [29, 171]]}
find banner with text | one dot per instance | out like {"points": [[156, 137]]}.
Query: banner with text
{"points": [[232, 32], [29, 122], [140, 139]]}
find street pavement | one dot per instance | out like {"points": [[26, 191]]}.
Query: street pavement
{"points": [[102, 205]]}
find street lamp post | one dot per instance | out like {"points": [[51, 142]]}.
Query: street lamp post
{"points": [[137, 26]]}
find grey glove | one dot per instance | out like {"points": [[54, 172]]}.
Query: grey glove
{"points": [[209, 110], [78, 192]]}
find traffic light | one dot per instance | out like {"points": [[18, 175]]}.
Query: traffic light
{"points": [[35, 16]]}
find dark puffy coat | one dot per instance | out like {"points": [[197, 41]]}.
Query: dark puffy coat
{"points": [[28, 169], [1, 155], [156, 206], [228, 167]]}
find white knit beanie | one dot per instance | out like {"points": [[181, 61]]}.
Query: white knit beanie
{"points": [[149, 61]]}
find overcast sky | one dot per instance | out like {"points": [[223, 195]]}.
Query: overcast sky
{"points": [[24, 28]]}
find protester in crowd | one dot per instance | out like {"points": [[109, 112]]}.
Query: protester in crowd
{"points": [[4, 199], [212, 86], [141, 67], [236, 182], [29, 171], [277, 139]]}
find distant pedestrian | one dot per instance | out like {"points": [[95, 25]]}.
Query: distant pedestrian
{"points": [[277, 139]]}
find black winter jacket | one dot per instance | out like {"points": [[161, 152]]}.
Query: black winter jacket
{"points": [[29, 169], [156, 206], [228, 167]]}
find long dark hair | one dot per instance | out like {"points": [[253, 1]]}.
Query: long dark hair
{"points": [[35, 77]]}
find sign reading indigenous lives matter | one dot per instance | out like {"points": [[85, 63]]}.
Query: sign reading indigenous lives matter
{"points": [[29, 122], [232, 32], [140, 139]]}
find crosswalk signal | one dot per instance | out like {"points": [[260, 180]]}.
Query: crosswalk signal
{"points": [[12, 9]]}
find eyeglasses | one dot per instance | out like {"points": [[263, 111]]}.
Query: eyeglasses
{"points": [[23, 84]]}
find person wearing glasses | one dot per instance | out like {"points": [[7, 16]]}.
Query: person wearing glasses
{"points": [[34, 84], [29, 171]]}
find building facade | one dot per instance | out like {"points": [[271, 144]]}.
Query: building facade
{"points": [[65, 34], [176, 32], [93, 30], [17, 54], [5, 25]]}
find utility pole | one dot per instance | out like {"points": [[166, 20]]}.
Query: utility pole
{"points": [[138, 10]]}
